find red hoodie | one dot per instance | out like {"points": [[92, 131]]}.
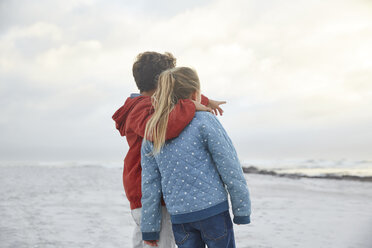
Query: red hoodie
{"points": [[131, 121]]}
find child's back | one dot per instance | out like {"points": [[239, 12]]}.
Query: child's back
{"points": [[188, 172]]}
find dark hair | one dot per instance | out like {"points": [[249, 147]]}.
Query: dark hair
{"points": [[148, 66]]}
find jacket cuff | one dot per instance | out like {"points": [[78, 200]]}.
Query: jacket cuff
{"points": [[204, 100], [150, 235], [242, 219]]}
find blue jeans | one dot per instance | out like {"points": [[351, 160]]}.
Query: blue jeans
{"points": [[215, 232]]}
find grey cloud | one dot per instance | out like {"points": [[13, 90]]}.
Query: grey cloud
{"points": [[296, 74]]}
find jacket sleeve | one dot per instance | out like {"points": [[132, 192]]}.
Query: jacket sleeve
{"points": [[181, 115], [227, 163], [151, 195], [179, 118], [204, 100]]}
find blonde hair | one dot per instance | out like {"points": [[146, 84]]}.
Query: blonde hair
{"points": [[173, 85]]}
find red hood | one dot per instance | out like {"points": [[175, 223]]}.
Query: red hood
{"points": [[121, 115]]}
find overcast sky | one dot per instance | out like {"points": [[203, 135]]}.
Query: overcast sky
{"points": [[297, 74]]}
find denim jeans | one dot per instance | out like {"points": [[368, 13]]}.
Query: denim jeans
{"points": [[215, 232]]}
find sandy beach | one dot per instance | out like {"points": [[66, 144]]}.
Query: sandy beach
{"points": [[85, 206]]}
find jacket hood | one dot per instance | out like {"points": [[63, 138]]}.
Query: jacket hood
{"points": [[121, 115]]}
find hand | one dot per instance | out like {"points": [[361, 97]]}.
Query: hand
{"points": [[151, 242], [215, 106], [201, 107]]}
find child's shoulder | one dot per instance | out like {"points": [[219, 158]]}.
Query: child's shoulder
{"points": [[204, 117]]}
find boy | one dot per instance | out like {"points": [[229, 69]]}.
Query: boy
{"points": [[131, 121]]}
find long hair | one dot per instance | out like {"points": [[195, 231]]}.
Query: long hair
{"points": [[173, 85]]}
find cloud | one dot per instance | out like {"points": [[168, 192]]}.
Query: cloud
{"points": [[292, 71]]}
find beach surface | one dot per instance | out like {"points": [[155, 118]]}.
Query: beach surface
{"points": [[85, 206]]}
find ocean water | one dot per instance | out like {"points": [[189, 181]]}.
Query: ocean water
{"points": [[309, 167], [315, 167]]}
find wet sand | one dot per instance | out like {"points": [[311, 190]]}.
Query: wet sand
{"points": [[45, 206]]}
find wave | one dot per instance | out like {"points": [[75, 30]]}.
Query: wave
{"points": [[296, 175]]}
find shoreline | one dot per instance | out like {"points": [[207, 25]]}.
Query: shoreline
{"points": [[255, 170], [46, 206]]}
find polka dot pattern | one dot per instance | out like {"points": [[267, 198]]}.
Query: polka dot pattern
{"points": [[193, 172]]}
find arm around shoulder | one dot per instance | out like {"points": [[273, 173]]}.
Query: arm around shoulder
{"points": [[181, 115]]}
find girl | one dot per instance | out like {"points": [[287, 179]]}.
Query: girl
{"points": [[190, 172]]}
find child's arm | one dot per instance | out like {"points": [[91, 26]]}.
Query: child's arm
{"points": [[215, 106], [179, 117], [228, 165], [151, 195], [204, 100], [212, 105]]}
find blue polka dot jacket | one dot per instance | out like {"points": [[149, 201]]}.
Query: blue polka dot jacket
{"points": [[193, 172]]}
